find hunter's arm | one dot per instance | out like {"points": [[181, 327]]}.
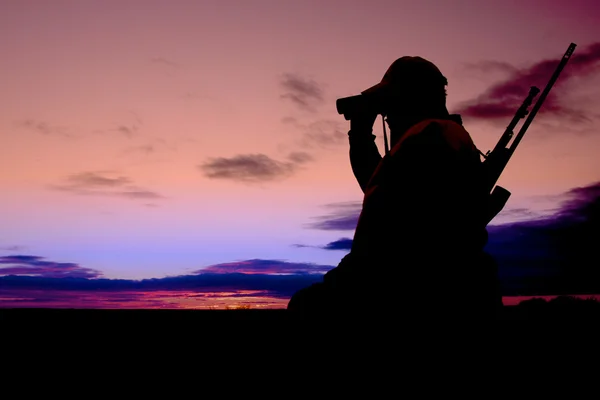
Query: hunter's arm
{"points": [[364, 156]]}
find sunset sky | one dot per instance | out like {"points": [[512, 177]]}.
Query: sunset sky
{"points": [[189, 154]]}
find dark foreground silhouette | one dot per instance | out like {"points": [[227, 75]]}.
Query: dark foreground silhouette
{"points": [[421, 232], [559, 309], [418, 246], [522, 335]]}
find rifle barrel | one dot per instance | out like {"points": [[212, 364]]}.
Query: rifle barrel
{"points": [[541, 99]]}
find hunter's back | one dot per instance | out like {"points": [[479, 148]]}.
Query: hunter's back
{"points": [[426, 194]]}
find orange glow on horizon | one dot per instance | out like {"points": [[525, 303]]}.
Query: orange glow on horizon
{"points": [[175, 300]]}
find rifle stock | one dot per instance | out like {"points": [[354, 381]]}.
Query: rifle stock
{"points": [[496, 160]]}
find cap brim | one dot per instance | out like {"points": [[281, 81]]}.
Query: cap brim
{"points": [[379, 88]]}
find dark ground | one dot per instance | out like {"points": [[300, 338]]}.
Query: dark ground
{"points": [[560, 311], [536, 332]]}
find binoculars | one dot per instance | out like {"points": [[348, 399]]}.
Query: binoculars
{"points": [[362, 103]]}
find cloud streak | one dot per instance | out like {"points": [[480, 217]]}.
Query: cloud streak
{"points": [[258, 266], [305, 93], [125, 130], [44, 128], [502, 99], [36, 266], [104, 183], [253, 168], [340, 244], [204, 282], [340, 217]]}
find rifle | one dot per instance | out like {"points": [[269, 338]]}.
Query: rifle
{"points": [[496, 160]]}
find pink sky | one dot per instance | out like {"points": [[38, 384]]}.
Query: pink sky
{"points": [[108, 110]]}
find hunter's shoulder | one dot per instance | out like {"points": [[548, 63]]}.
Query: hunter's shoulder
{"points": [[435, 135], [451, 133]]}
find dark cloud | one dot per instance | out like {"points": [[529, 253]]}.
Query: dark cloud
{"points": [[301, 246], [553, 255], [266, 267], [36, 266], [502, 100], [106, 184], [137, 194], [341, 217], [28, 281], [260, 168], [340, 244], [581, 203], [276, 285], [94, 179], [305, 93], [252, 168]]}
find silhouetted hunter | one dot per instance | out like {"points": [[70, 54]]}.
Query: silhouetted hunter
{"points": [[418, 245]]}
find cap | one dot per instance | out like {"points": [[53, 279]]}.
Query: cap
{"points": [[409, 72]]}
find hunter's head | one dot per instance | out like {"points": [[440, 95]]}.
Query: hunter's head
{"points": [[412, 89]]}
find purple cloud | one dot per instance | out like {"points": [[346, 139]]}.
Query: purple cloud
{"points": [[341, 217], [263, 284], [36, 266], [502, 100], [554, 255], [340, 244], [265, 267]]}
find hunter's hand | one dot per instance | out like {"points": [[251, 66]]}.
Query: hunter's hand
{"points": [[363, 123]]}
